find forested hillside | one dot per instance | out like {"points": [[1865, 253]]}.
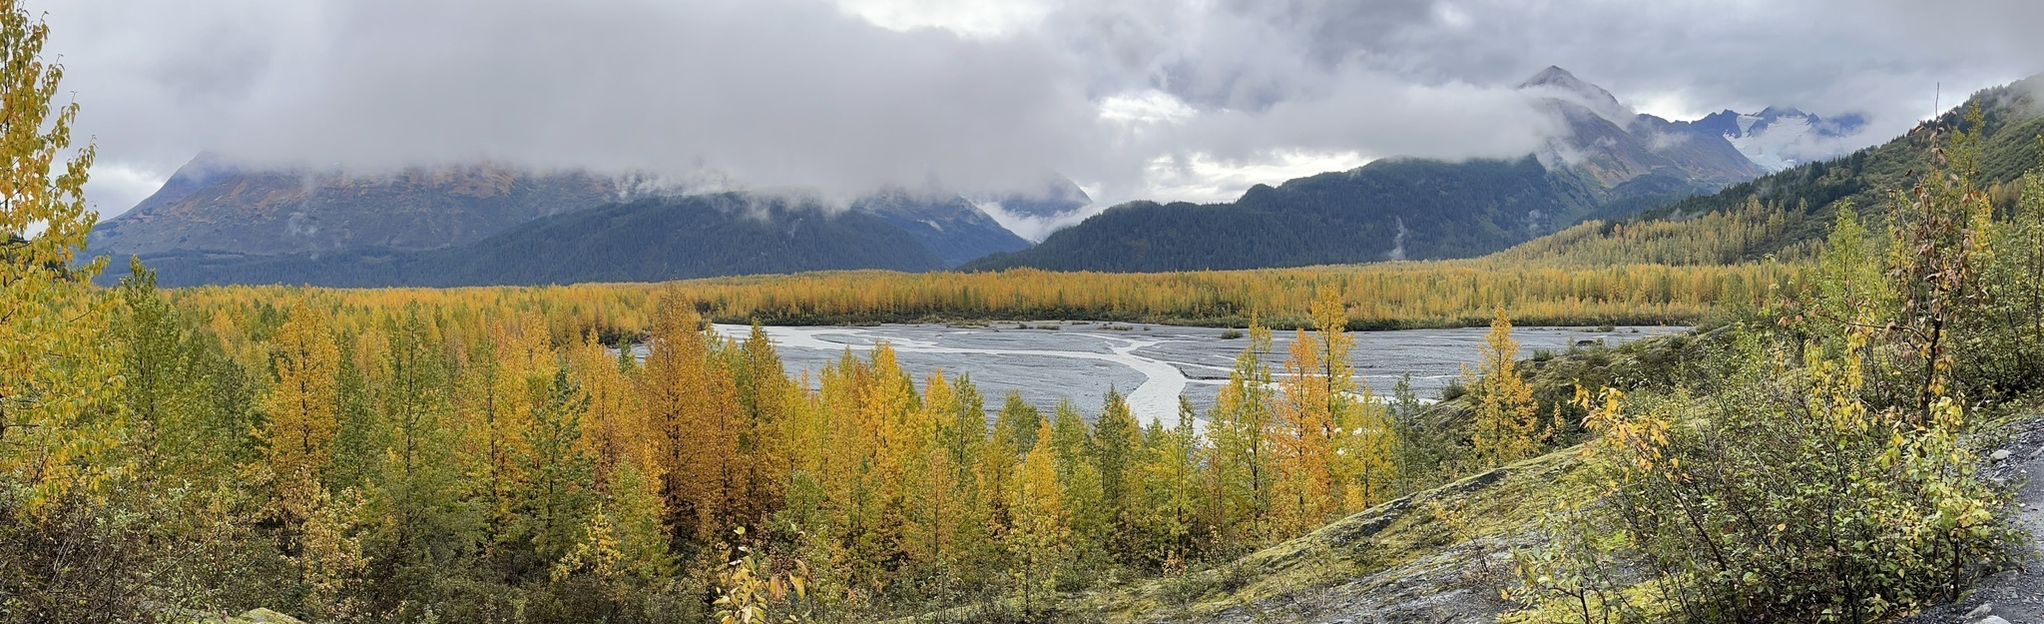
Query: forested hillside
{"points": [[1387, 210], [1785, 214]]}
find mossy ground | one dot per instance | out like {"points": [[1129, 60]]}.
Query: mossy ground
{"points": [[1441, 552]]}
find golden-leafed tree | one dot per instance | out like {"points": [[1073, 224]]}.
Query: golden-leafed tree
{"points": [[1239, 457], [1507, 423], [769, 399], [1366, 447], [1303, 441], [58, 421], [500, 387], [1042, 523], [933, 500], [299, 436], [693, 401], [615, 419], [1015, 429]]}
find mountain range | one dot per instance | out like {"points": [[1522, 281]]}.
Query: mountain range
{"points": [[1798, 203], [1779, 138], [216, 222], [1606, 162], [213, 222]]}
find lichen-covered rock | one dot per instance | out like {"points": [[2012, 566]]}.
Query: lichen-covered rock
{"points": [[256, 616]]}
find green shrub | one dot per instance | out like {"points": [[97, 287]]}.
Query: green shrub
{"points": [[1454, 390], [1820, 475]]}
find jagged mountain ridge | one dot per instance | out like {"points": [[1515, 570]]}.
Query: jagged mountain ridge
{"points": [[1777, 138], [1613, 145], [1808, 195], [1608, 161]]}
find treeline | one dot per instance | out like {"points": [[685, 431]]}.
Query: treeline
{"points": [[1752, 232], [1385, 296]]}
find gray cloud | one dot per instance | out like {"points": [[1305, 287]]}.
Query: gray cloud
{"points": [[769, 93], [806, 94]]}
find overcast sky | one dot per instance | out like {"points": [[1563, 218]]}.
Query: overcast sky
{"points": [[1137, 99]]}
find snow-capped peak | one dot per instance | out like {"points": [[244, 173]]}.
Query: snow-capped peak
{"points": [[1779, 137]]}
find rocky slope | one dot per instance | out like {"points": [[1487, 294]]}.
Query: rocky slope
{"points": [[211, 205]]}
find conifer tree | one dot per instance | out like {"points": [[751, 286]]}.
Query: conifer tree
{"points": [[932, 499], [692, 401], [498, 395], [1168, 512], [1078, 473], [1507, 420], [965, 432], [189, 408], [557, 499], [1119, 441], [417, 490], [1015, 431], [766, 396], [615, 423]]}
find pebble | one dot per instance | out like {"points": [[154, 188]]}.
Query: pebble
{"points": [[1999, 455], [1980, 612], [1992, 619]]}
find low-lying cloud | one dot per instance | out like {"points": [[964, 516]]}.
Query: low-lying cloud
{"points": [[1139, 99]]}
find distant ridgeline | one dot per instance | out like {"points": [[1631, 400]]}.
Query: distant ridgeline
{"points": [[215, 223], [1608, 163], [1785, 214], [219, 224]]}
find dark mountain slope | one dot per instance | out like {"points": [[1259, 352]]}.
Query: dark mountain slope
{"points": [[240, 224], [1387, 210], [641, 241]]}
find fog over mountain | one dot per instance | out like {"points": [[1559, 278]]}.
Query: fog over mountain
{"points": [[1132, 100]]}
